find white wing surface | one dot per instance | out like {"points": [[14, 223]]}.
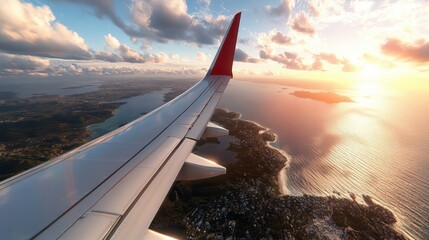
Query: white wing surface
{"points": [[112, 187]]}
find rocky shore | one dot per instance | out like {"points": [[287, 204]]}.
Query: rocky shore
{"points": [[246, 202]]}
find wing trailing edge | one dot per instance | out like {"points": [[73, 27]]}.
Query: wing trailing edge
{"points": [[197, 167], [213, 130]]}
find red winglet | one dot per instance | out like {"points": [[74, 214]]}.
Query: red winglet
{"points": [[222, 64]]}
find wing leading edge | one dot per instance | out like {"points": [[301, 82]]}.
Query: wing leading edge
{"points": [[113, 186]]}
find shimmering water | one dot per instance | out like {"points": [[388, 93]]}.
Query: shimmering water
{"points": [[377, 145]]}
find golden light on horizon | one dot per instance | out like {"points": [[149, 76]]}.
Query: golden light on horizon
{"points": [[371, 72], [370, 83]]}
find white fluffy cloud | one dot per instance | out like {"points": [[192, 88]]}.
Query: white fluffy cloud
{"points": [[11, 65], [124, 53], [242, 56], [162, 21], [274, 37], [291, 60], [30, 30], [284, 9], [111, 41], [301, 23], [417, 52], [165, 20]]}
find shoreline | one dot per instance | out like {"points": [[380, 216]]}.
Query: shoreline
{"points": [[247, 203], [263, 185]]}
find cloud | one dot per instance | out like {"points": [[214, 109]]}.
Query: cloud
{"points": [[272, 39], [201, 57], [26, 29], [280, 38], [169, 20], [75, 69], [162, 21], [11, 65], [123, 53], [108, 56], [78, 70], [19, 65], [349, 67], [313, 9], [288, 59], [111, 41], [293, 61], [241, 56], [331, 58], [101, 8], [328, 10], [32, 30], [283, 9], [301, 23], [378, 61], [417, 52]]}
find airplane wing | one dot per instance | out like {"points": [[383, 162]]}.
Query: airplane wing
{"points": [[112, 187]]}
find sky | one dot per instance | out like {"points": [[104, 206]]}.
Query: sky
{"points": [[288, 39]]}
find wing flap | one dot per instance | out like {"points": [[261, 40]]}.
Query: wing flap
{"points": [[214, 130], [152, 235], [197, 167]]}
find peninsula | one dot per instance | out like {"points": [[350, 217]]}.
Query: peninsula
{"points": [[246, 202]]}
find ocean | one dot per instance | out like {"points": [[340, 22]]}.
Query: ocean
{"points": [[376, 145]]}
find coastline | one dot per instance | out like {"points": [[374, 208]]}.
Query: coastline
{"points": [[266, 190], [247, 203]]}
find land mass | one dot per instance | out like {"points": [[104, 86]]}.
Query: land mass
{"points": [[246, 202], [36, 129], [327, 97]]}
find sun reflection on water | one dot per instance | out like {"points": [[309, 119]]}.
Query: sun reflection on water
{"points": [[376, 145]]}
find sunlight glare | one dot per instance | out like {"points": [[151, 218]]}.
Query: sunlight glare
{"points": [[370, 72]]}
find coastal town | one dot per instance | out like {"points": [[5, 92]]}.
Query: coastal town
{"points": [[246, 203]]}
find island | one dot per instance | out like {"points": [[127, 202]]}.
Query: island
{"points": [[327, 97], [246, 202]]}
